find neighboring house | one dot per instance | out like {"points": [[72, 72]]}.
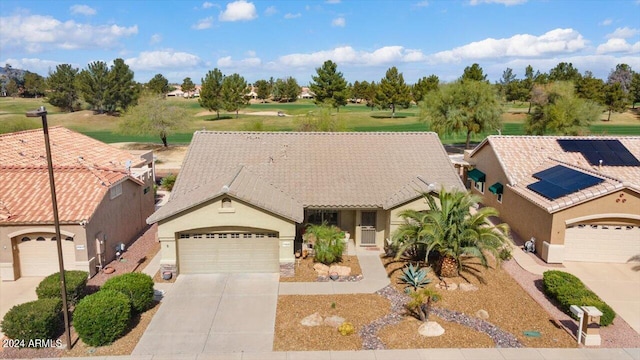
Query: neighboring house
{"points": [[579, 197], [306, 93], [243, 199], [177, 92], [104, 196]]}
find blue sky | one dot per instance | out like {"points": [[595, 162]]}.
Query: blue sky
{"points": [[262, 39]]}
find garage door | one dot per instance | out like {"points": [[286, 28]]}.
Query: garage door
{"points": [[601, 243], [39, 255], [228, 252]]}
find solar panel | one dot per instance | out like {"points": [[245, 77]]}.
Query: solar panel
{"points": [[611, 152], [559, 181]]}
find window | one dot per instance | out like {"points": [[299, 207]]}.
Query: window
{"points": [[260, 235], [479, 186], [184, 236], [499, 197], [54, 238], [197, 236], [210, 236], [115, 191], [271, 235], [226, 203], [68, 238], [40, 238], [246, 236], [222, 236], [318, 217], [26, 238], [235, 236]]}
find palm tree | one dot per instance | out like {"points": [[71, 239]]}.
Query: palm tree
{"points": [[452, 229]]}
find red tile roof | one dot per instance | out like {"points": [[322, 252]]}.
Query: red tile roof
{"points": [[84, 170]]}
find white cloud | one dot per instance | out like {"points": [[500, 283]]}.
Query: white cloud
{"points": [[155, 38], [251, 53], [339, 22], [349, 56], [623, 33], [617, 46], [203, 23], [423, 3], [239, 11], [271, 10], [38, 66], [166, 59], [606, 22], [207, 5], [249, 62], [521, 45], [35, 33], [82, 10], [292, 16], [503, 2]]}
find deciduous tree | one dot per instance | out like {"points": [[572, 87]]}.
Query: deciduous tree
{"points": [[12, 88], [393, 91], [62, 83], [329, 86], [470, 107], [558, 110], [211, 91], [154, 116], [622, 75], [234, 93]]}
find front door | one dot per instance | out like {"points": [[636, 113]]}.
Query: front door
{"points": [[368, 228]]}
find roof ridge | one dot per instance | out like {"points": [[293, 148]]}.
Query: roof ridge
{"points": [[318, 133]]}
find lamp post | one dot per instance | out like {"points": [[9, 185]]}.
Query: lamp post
{"points": [[42, 112]]}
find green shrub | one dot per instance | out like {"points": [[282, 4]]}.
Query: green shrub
{"points": [[102, 318], [568, 290], [328, 243], [168, 181], [138, 287], [39, 319], [76, 282]]}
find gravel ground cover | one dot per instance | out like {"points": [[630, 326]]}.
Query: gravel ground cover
{"points": [[304, 270], [359, 310], [510, 308]]}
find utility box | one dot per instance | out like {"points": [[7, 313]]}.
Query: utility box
{"points": [[590, 326]]}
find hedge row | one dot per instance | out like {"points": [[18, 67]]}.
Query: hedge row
{"points": [[569, 290]]}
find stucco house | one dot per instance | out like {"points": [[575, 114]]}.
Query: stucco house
{"points": [[104, 197], [242, 199], [579, 197]]}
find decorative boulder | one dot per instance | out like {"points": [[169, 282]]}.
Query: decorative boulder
{"points": [[467, 287], [321, 269], [340, 270], [430, 329], [312, 320], [334, 321], [482, 314]]}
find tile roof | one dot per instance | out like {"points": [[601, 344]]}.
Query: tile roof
{"points": [[68, 148], [239, 183], [84, 169], [25, 196], [522, 156], [320, 170]]}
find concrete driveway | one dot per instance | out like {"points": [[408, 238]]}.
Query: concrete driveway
{"points": [[214, 313], [617, 284]]}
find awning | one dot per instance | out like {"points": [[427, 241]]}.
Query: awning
{"points": [[496, 188], [476, 175]]}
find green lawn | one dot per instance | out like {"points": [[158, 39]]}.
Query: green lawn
{"points": [[356, 117]]}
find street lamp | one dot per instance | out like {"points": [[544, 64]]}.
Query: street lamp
{"points": [[42, 112]]}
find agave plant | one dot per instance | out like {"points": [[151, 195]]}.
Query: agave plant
{"points": [[414, 277]]}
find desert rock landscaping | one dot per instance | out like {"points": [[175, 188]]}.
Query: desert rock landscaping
{"points": [[305, 271]]}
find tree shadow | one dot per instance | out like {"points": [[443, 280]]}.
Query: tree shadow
{"points": [[222, 117], [378, 116]]}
